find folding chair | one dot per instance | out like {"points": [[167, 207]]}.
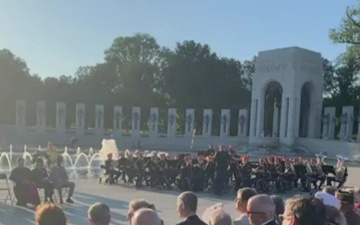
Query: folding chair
{"points": [[4, 186]]}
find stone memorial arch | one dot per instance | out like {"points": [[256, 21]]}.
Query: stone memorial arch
{"points": [[286, 96]]}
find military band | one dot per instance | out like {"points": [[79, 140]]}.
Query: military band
{"points": [[222, 170]]}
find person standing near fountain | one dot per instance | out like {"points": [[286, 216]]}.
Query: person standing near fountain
{"points": [[25, 191], [42, 181], [60, 180]]}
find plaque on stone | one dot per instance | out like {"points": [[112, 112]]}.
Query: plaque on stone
{"points": [[41, 116], [154, 122], [207, 123], [60, 117], [225, 123], [118, 117], [99, 119], [189, 122], [172, 117], [80, 119], [135, 122]]}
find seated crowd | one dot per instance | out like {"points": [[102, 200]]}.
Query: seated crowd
{"points": [[327, 207], [27, 182]]}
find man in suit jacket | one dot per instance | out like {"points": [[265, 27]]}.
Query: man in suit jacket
{"points": [[241, 201], [186, 207], [261, 210]]}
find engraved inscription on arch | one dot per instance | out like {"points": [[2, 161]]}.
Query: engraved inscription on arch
{"points": [[308, 68], [271, 68]]}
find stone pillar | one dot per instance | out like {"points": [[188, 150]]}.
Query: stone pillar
{"points": [[290, 139], [328, 121], [135, 122], [253, 120], [80, 119], [21, 114], [99, 119], [243, 122], [346, 120], [207, 123], [154, 123], [189, 122], [275, 131], [60, 118], [284, 116], [171, 125], [41, 117], [117, 126], [225, 123]]}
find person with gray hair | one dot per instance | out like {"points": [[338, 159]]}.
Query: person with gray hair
{"points": [[330, 190], [146, 216], [99, 214], [187, 203], [261, 210], [221, 218]]}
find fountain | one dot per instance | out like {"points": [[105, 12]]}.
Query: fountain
{"points": [[27, 157], [67, 160], [91, 152], [78, 151], [11, 152], [5, 162]]}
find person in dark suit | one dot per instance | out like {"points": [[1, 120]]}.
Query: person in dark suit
{"points": [[42, 181], [186, 207], [261, 210]]}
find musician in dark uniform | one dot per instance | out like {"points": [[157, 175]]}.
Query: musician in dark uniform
{"points": [[139, 168], [244, 172], [110, 169], [41, 179], [184, 181], [209, 172], [122, 162]]}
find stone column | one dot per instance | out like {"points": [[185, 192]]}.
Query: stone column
{"points": [[154, 123], [291, 121], [207, 123], [189, 122], [41, 117], [243, 122], [171, 125], [275, 132], [346, 120], [225, 123], [20, 114], [253, 119], [60, 118], [99, 120], [117, 126], [328, 121], [80, 119], [135, 122], [284, 116]]}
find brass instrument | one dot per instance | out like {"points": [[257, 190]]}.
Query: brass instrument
{"points": [[340, 172], [308, 168]]}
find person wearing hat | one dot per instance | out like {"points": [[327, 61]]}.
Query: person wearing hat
{"points": [[60, 179], [347, 207]]}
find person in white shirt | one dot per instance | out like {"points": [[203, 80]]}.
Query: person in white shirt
{"points": [[242, 198]]}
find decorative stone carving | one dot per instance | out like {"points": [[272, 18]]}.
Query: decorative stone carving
{"points": [[225, 123], [172, 115], [189, 122], [346, 120], [41, 117], [207, 123], [329, 121], [135, 117], [154, 122], [20, 114], [60, 117], [99, 119], [80, 119], [117, 120]]}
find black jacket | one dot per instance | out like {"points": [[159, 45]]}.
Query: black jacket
{"points": [[192, 220]]}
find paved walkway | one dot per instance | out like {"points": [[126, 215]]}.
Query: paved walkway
{"points": [[89, 191]]}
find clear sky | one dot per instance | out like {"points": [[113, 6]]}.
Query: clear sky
{"points": [[55, 37]]}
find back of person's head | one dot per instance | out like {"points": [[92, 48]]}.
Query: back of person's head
{"points": [[188, 201], [330, 190], [279, 204], [139, 204], [304, 211], [347, 200], [334, 216], [242, 198], [49, 214], [146, 216], [221, 218], [99, 214]]}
